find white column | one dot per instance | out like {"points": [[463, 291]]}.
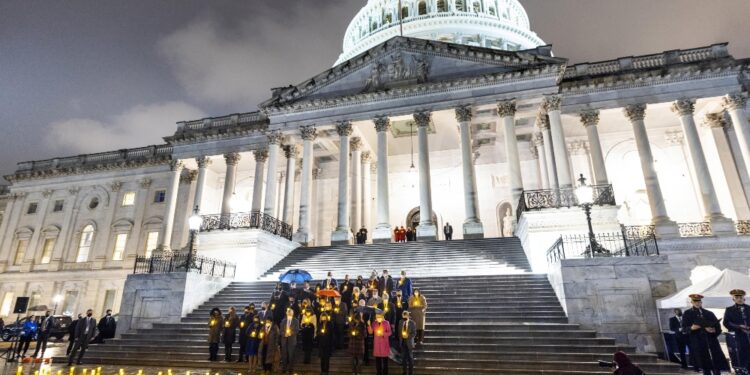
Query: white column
{"points": [[291, 152], [665, 227], [356, 173], [269, 205], [472, 224], [735, 104], [507, 111], [382, 231], [538, 142], [304, 234], [552, 106], [174, 186], [716, 124], [343, 234], [720, 225], [543, 123], [231, 159], [426, 229], [590, 120], [260, 162], [366, 190], [203, 163]]}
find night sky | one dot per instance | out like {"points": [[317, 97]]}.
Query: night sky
{"points": [[88, 76]]}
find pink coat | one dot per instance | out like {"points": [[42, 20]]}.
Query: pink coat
{"points": [[381, 346]]}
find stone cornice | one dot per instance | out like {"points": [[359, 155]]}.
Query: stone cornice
{"points": [[217, 128], [93, 163]]}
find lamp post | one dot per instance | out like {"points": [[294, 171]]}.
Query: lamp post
{"points": [[194, 223], [585, 196], [56, 299]]}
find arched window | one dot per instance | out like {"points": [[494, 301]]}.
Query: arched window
{"points": [[422, 8], [442, 6], [84, 246], [460, 6], [477, 8], [404, 12]]}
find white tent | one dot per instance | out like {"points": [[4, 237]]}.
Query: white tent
{"points": [[715, 291]]}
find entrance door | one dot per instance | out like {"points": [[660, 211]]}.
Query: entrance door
{"points": [[412, 218]]}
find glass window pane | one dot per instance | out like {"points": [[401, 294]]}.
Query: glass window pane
{"points": [[20, 251], [84, 247], [35, 299], [151, 242], [69, 303], [7, 304], [120, 242], [109, 300], [128, 199], [49, 245]]}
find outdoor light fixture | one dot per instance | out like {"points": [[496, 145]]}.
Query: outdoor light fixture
{"points": [[585, 196], [194, 223]]}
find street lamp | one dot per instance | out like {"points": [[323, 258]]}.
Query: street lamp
{"points": [[57, 299], [585, 196], [194, 223]]}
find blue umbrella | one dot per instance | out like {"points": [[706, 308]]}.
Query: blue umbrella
{"points": [[295, 276]]}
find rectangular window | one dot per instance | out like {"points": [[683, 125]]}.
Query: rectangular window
{"points": [[35, 299], [151, 242], [7, 304], [32, 208], [160, 196], [120, 241], [128, 199], [59, 204], [49, 246], [69, 303], [109, 300], [20, 251]]}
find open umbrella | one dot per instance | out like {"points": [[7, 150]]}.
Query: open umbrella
{"points": [[295, 276], [329, 293]]}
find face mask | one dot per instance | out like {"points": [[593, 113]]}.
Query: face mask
{"points": [[88, 314], [379, 320]]}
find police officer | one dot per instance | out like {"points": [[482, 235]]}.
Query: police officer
{"points": [[703, 329], [737, 320]]}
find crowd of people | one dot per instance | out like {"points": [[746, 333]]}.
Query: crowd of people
{"points": [[697, 330], [380, 317], [85, 330]]}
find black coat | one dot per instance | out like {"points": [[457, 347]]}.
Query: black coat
{"points": [[385, 284], [734, 317], [72, 330], [246, 321], [325, 339], [704, 345], [107, 327]]}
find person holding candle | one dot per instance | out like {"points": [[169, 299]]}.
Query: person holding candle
{"points": [[325, 342], [360, 283], [381, 331], [269, 344], [404, 285], [309, 325], [215, 324], [357, 333], [246, 321], [231, 321], [340, 312], [345, 289], [385, 283], [330, 282], [356, 296], [264, 312], [253, 343], [407, 333], [289, 327], [374, 299], [417, 311]]}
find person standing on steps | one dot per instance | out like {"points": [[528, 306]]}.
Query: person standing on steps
{"points": [[289, 329], [381, 331], [385, 283], [357, 334], [399, 305], [85, 330], [309, 325], [409, 234], [325, 342], [418, 312], [681, 339], [404, 285], [42, 335], [737, 320], [72, 334], [265, 312], [330, 282], [253, 343], [407, 331], [107, 327], [231, 321], [704, 330], [448, 231], [269, 345], [340, 314], [246, 320], [28, 331], [215, 324], [345, 289]]}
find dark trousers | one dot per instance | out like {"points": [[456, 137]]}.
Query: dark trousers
{"points": [[41, 343], [325, 363], [381, 365], [213, 351], [228, 352], [407, 359], [243, 348], [266, 366], [368, 347], [682, 342], [420, 336], [23, 346], [70, 346], [449, 237], [79, 344], [338, 335], [356, 364]]}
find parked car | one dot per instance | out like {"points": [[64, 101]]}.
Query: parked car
{"points": [[60, 326]]}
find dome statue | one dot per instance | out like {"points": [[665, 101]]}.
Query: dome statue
{"points": [[500, 24]]}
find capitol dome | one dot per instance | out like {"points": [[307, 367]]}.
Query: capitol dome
{"points": [[500, 24]]}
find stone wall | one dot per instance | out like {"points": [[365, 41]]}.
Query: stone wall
{"points": [[164, 298]]}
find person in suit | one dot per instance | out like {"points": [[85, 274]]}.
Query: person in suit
{"points": [[329, 282], [246, 320], [264, 312], [289, 329], [404, 285], [339, 319], [409, 234], [269, 344], [703, 329], [85, 331], [325, 342], [42, 335], [107, 327], [737, 320], [407, 332], [381, 349], [215, 324], [675, 325], [345, 289], [399, 305], [385, 283], [448, 231], [72, 334], [28, 331], [229, 334]]}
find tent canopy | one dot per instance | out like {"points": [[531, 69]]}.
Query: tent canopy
{"points": [[715, 291]]}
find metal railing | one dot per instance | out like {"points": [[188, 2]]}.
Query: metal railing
{"points": [[247, 220], [581, 246], [742, 227], [564, 197], [701, 229], [183, 262]]}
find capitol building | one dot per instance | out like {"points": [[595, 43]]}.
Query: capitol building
{"points": [[436, 112]]}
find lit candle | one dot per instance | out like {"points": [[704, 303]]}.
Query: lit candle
{"points": [[261, 334], [158, 373], [386, 308], [140, 371], [379, 331], [252, 334], [273, 306], [323, 330], [354, 332], [212, 323], [36, 372], [227, 324], [84, 371], [98, 371], [242, 324], [336, 310], [405, 333], [72, 370], [20, 370], [288, 331], [59, 372], [350, 319]]}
